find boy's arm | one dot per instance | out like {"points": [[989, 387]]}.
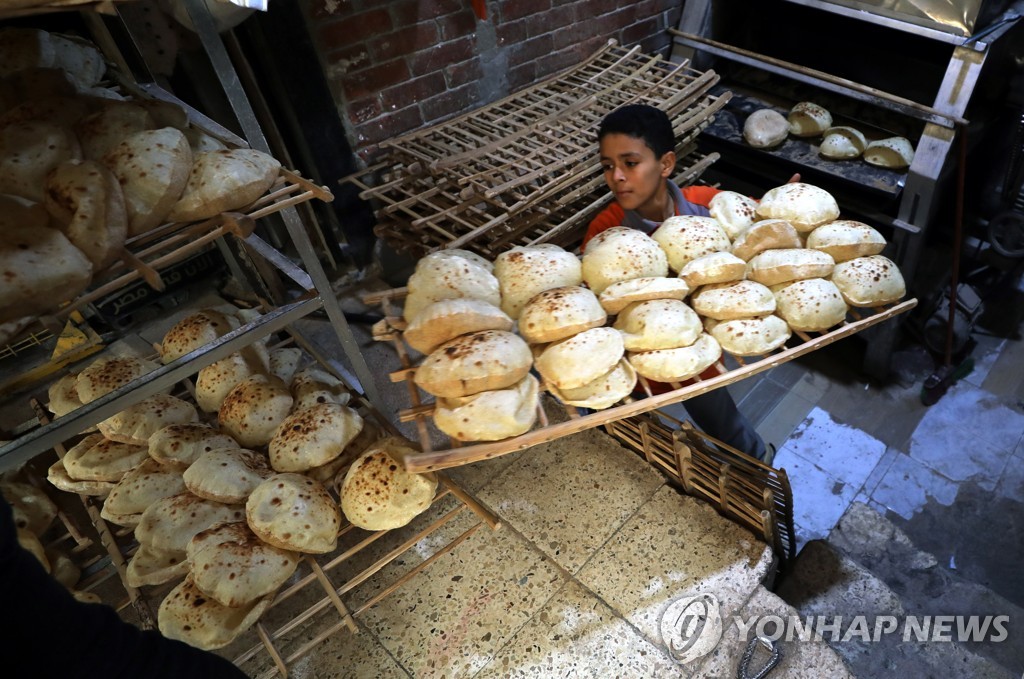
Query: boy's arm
{"points": [[606, 219]]}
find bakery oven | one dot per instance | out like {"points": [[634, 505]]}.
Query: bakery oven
{"points": [[928, 71]]}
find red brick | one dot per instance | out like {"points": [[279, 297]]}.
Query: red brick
{"points": [[323, 9], [557, 61], [342, 32], [374, 79], [361, 111], [458, 24], [412, 91], [450, 103], [570, 35], [555, 19], [529, 50], [348, 58], [517, 9], [467, 71], [407, 13], [387, 126], [522, 76], [403, 41], [439, 56], [512, 32], [594, 8], [640, 31]]}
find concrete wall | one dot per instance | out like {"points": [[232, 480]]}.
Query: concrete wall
{"points": [[394, 66]]}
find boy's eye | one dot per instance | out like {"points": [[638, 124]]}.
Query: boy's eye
{"points": [[631, 163], [606, 168]]}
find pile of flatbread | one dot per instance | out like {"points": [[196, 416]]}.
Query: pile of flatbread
{"points": [[83, 169], [225, 496], [663, 306]]}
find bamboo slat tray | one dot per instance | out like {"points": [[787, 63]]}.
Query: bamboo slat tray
{"points": [[524, 170], [458, 454], [740, 487], [310, 607]]}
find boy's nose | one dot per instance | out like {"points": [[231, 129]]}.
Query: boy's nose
{"points": [[618, 175]]}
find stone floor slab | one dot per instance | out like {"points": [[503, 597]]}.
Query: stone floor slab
{"points": [[819, 498], [958, 453], [909, 484], [847, 453]]}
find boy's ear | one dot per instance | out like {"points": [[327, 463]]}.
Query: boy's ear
{"points": [[668, 163]]}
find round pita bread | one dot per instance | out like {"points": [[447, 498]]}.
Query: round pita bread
{"points": [[233, 567], [688, 237], [449, 318], [750, 336], [489, 415], [894, 152], [96, 458], [604, 392], [28, 151], [195, 330], [580, 359], [846, 239], [726, 301], [812, 304], [284, 363], [177, 446], [84, 197], [526, 271], [169, 523], [804, 206], [559, 313], [733, 211], [106, 374], [136, 423], [842, 143], [481, 361], [62, 395], [768, 234], [227, 475], [149, 566], [765, 128], [215, 381], [225, 180], [253, 410], [621, 254], [294, 512], [658, 324], [101, 131], [442, 275], [312, 386], [58, 476], [869, 281], [314, 436], [807, 119], [772, 267], [618, 296], [138, 489], [378, 494], [41, 268], [716, 267], [188, 615], [676, 365]]}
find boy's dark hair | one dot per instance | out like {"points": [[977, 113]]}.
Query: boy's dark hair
{"points": [[641, 121]]}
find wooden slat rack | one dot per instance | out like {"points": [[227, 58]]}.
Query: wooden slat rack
{"points": [[456, 454], [524, 170], [740, 487]]}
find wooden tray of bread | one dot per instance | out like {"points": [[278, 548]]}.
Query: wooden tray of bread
{"points": [[103, 185], [238, 448], [610, 332], [524, 169]]}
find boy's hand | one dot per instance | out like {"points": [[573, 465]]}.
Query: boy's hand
{"points": [[794, 179]]}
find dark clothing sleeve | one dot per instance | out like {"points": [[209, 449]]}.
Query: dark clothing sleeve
{"points": [[46, 632]]}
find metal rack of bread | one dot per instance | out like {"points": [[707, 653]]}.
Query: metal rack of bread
{"points": [[354, 549]]}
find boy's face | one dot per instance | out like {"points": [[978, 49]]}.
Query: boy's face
{"points": [[633, 173]]}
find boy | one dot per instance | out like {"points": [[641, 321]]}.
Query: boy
{"points": [[636, 144]]}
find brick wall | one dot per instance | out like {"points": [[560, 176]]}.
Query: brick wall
{"points": [[398, 65]]}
